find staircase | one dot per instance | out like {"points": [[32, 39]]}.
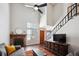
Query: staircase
{"points": [[73, 12]]}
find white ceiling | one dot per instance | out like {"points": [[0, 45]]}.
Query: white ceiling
{"points": [[53, 4], [32, 4]]}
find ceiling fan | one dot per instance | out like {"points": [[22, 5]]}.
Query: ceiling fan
{"points": [[36, 7]]}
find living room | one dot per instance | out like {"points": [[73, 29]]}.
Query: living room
{"points": [[30, 29]]}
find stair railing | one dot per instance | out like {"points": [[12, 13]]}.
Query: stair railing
{"points": [[73, 12]]}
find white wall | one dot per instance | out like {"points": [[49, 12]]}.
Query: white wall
{"points": [[20, 15], [50, 14], [43, 18], [72, 31], [4, 22], [59, 11], [55, 13], [43, 21]]}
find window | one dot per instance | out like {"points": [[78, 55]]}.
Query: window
{"points": [[32, 32], [29, 31]]}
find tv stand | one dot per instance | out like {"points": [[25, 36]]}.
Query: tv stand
{"points": [[59, 49]]}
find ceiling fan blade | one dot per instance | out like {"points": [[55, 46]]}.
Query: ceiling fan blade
{"points": [[40, 11], [29, 6], [42, 5]]}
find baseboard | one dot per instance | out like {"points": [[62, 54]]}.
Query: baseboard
{"points": [[32, 44]]}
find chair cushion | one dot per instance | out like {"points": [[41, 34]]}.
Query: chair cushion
{"points": [[19, 52], [10, 49], [76, 53], [0, 53], [2, 49], [70, 54]]}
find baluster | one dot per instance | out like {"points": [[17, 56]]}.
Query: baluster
{"points": [[76, 7], [71, 12], [65, 20], [68, 16]]}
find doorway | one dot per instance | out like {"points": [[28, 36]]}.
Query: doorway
{"points": [[42, 36]]}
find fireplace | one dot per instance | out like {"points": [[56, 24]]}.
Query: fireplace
{"points": [[16, 39]]}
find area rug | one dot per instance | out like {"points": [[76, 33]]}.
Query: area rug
{"points": [[29, 53]]}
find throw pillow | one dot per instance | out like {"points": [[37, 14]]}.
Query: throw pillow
{"points": [[10, 49]]}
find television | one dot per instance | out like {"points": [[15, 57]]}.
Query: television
{"points": [[61, 38]]}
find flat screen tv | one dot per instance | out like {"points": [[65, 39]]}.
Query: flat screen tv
{"points": [[59, 38]]}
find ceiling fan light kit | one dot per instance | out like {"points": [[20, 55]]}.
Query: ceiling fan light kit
{"points": [[36, 8]]}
